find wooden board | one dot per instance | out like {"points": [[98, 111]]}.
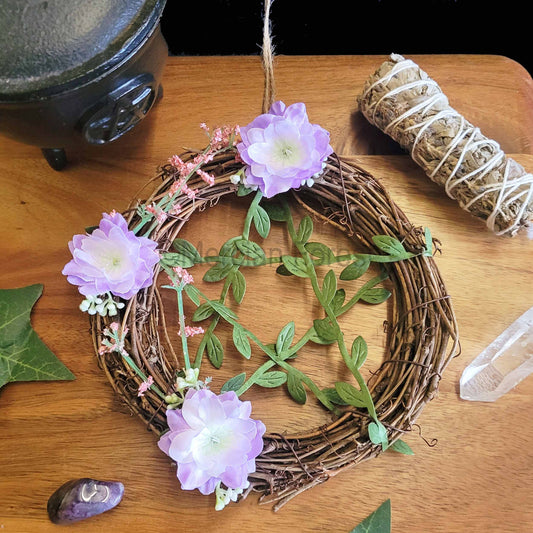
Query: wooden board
{"points": [[476, 478]]}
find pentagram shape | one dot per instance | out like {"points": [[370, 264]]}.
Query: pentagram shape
{"points": [[421, 337]]}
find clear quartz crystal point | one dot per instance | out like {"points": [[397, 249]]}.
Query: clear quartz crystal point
{"points": [[501, 365]]}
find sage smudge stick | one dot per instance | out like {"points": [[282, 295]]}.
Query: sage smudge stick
{"points": [[406, 104]]}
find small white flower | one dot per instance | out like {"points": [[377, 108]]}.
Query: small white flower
{"points": [[235, 179]]}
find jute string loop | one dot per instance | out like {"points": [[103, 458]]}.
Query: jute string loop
{"points": [[268, 60]]}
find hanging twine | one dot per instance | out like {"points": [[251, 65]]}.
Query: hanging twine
{"points": [[268, 60], [410, 107]]}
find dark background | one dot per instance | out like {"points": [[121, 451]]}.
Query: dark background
{"points": [[227, 27]]}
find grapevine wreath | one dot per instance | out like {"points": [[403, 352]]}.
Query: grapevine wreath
{"points": [[280, 160]]}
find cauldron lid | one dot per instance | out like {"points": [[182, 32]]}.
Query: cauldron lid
{"points": [[47, 46]]}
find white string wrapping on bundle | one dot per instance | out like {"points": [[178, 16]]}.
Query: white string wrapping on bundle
{"points": [[410, 107]]}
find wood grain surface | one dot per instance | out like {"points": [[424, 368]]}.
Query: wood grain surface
{"points": [[475, 476]]}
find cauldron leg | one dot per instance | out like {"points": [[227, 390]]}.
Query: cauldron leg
{"points": [[56, 157]]}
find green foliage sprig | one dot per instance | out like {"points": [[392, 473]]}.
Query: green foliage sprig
{"points": [[241, 251]]}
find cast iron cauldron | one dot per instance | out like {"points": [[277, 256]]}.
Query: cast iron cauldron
{"points": [[78, 71]]}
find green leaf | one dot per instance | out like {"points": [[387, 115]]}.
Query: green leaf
{"points": [[295, 265], [272, 379], [285, 338], [378, 434], [250, 249], [202, 312], [218, 272], [238, 285], [389, 245], [222, 310], [228, 249], [276, 211], [338, 301], [401, 446], [329, 287], [375, 296], [192, 293], [359, 351], [282, 271], [333, 396], [429, 242], [187, 250], [261, 221], [241, 342], [321, 251], [243, 191], [215, 350], [90, 229], [305, 229], [23, 355], [326, 329], [378, 522], [173, 259], [234, 383], [349, 394], [356, 269], [296, 388]]}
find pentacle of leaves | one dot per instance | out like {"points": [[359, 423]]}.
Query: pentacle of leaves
{"points": [[23, 355]]}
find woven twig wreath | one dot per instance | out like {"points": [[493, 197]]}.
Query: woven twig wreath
{"points": [[421, 339]]}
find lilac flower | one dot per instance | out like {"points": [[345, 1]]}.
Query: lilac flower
{"points": [[111, 259], [282, 149], [213, 439]]}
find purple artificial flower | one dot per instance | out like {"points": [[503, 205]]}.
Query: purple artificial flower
{"points": [[282, 149], [111, 259], [213, 439]]}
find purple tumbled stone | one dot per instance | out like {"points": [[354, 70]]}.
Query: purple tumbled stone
{"points": [[79, 499]]}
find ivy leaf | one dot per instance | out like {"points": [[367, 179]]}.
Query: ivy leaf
{"points": [[338, 301], [243, 191], [276, 211], [321, 251], [329, 287], [378, 522], [356, 269], [272, 379], [326, 329], [333, 396], [234, 383], [389, 245], [241, 342], [282, 271], [261, 221], [401, 446], [192, 293], [285, 337], [349, 394], [295, 265], [250, 249], [187, 251], [305, 229], [218, 272], [378, 434], [23, 355], [202, 312], [238, 286], [296, 388], [375, 296], [359, 352], [429, 243], [215, 350], [225, 312]]}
